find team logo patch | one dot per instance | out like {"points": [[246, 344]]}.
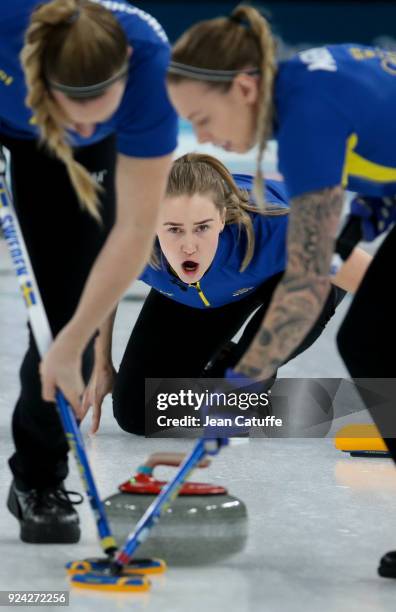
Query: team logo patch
{"points": [[242, 291], [99, 176], [318, 58]]}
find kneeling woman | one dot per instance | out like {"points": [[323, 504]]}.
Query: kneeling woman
{"points": [[217, 259]]}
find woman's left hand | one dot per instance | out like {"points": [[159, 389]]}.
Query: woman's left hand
{"points": [[61, 369], [101, 384]]}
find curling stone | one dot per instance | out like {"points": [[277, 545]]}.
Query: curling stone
{"points": [[204, 524], [361, 440]]}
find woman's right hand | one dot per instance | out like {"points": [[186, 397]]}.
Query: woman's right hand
{"points": [[100, 384]]}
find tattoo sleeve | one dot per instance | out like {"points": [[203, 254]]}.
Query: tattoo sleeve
{"points": [[300, 295]]}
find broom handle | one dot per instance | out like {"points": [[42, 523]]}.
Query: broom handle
{"points": [[43, 339]]}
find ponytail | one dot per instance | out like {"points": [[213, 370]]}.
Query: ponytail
{"points": [[262, 32], [75, 41]]}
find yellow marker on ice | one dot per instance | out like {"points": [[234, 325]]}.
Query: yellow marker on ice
{"points": [[360, 438]]}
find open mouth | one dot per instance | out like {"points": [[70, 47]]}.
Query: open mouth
{"points": [[190, 267]]}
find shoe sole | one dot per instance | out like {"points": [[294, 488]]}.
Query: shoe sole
{"points": [[43, 534], [48, 534]]}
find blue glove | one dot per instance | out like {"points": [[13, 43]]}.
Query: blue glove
{"points": [[230, 374], [236, 381], [377, 215]]}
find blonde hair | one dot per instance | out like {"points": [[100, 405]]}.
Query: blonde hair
{"points": [[73, 42], [231, 43], [197, 173]]}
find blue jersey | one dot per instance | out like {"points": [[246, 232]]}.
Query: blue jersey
{"points": [[223, 283], [145, 122], [335, 120]]}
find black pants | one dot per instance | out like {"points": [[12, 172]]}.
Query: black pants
{"points": [[171, 340], [367, 338], [63, 242]]}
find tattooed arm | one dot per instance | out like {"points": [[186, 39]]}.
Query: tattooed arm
{"points": [[300, 295]]}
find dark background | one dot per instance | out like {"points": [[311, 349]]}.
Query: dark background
{"points": [[297, 24]]}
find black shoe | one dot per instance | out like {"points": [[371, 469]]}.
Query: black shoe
{"points": [[46, 516], [387, 567]]}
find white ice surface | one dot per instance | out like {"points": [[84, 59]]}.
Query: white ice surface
{"points": [[319, 521]]}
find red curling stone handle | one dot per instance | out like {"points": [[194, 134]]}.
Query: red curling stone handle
{"points": [[143, 482]]}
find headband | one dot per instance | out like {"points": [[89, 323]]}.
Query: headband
{"points": [[89, 91], [206, 74]]}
